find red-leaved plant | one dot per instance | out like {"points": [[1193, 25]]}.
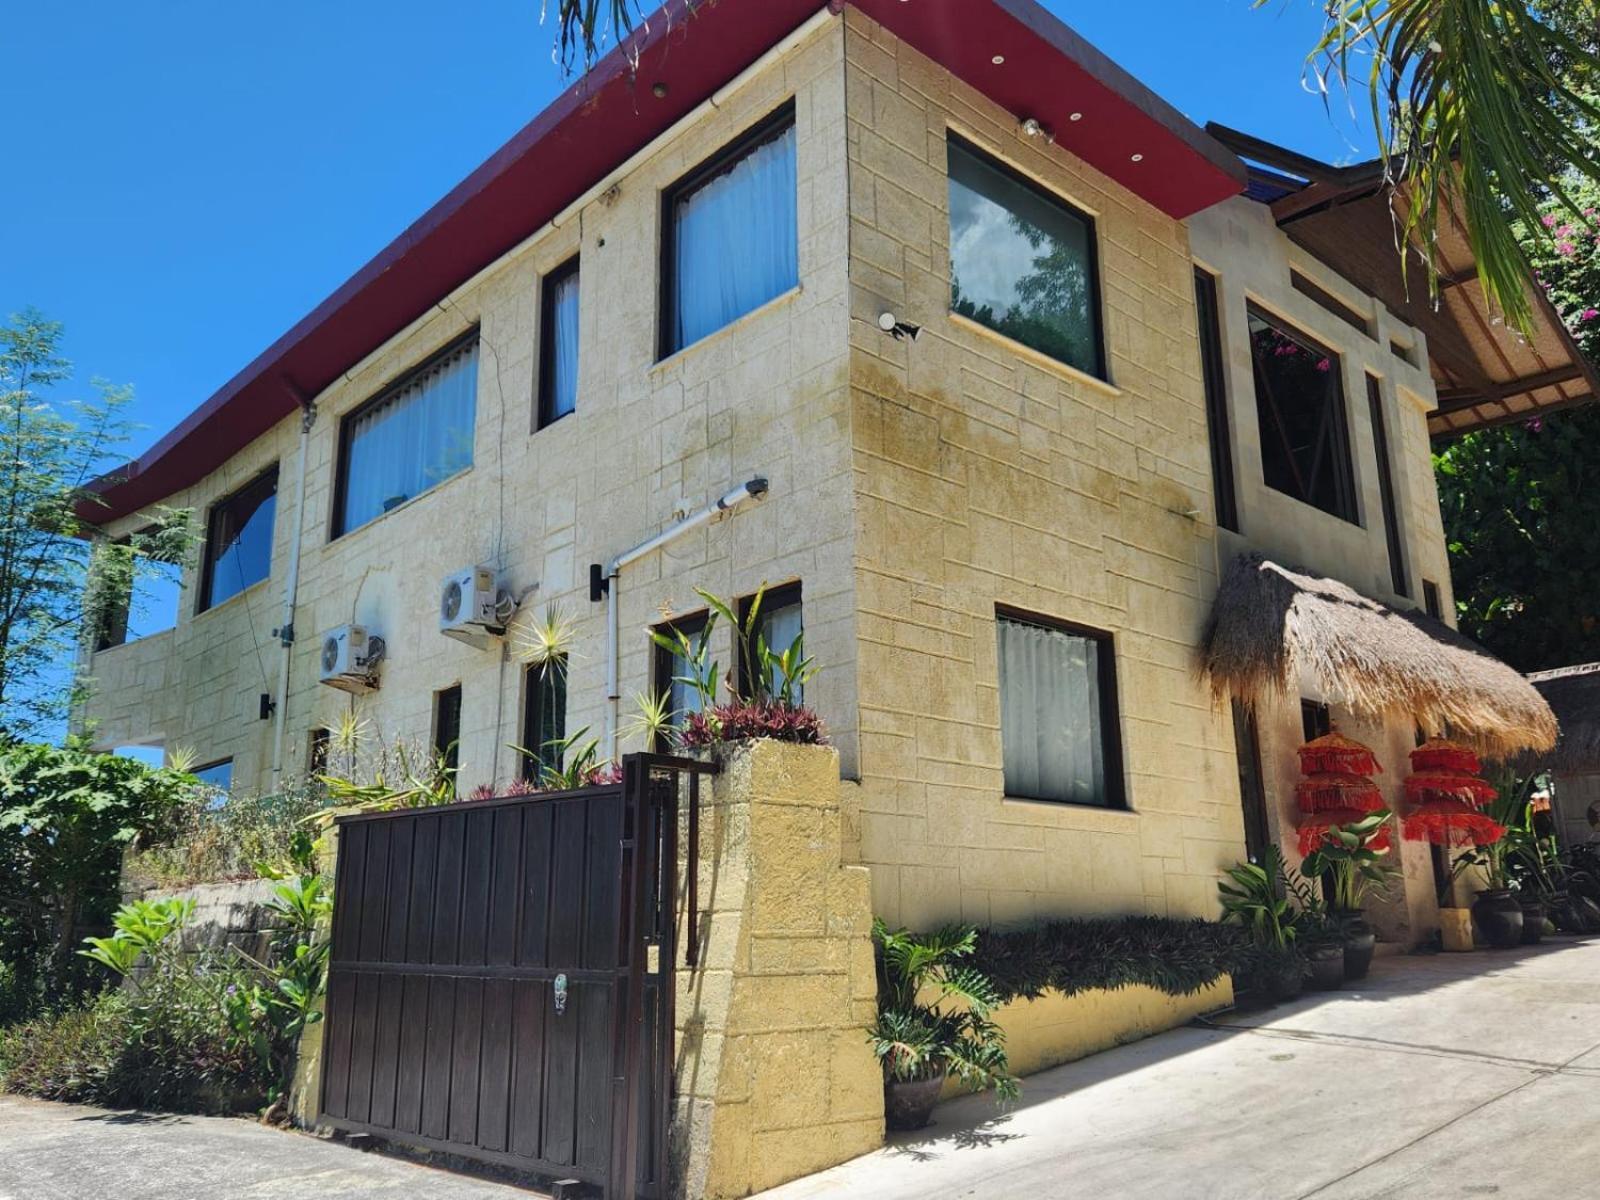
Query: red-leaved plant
{"points": [[741, 719]]}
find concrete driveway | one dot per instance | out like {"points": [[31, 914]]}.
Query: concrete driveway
{"points": [[1445, 1076], [67, 1152]]}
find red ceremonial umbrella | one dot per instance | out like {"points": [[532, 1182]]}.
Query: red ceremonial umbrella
{"points": [[1445, 797], [1337, 789]]}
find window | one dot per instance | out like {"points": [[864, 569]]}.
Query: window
{"points": [[730, 239], [239, 541], [317, 751], [1022, 261], [447, 727], [1252, 789], [558, 344], [217, 775], [1391, 515], [1431, 603], [670, 668], [778, 624], [1315, 719], [544, 717], [1305, 449], [410, 438], [1058, 713], [142, 602], [1216, 384]]}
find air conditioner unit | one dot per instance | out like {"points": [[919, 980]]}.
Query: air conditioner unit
{"points": [[472, 606], [350, 657]]}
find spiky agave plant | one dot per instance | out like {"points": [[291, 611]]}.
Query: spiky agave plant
{"points": [[935, 1012]]}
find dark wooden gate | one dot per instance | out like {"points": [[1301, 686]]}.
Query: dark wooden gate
{"points": [[456, 931]]}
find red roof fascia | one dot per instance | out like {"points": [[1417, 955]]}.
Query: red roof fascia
{"points": [[609, 115]]}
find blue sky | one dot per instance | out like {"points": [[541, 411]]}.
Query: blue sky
{"points": [[190, 178]]}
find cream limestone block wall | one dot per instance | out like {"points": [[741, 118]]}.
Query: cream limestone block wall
{"points": [[985, 474], [775, 1078], [1252, 258], [766, 396]]}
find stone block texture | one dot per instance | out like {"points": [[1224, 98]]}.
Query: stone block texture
{"points": [[774, 1076]]}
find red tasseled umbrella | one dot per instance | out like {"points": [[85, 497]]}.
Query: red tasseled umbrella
{"points": [[1335, 752], [1450, 785], [1447, 822], [1330, 790], [1313, 827], [1440, 754]]}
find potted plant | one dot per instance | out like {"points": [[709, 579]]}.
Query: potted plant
{"points": [[1354, 860], [1319, 936], [934, 1020], [1252, 897]]}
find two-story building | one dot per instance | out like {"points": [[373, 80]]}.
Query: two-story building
{"points": [[1025, 360]]}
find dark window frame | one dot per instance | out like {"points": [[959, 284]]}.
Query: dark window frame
{"points": [[319, 744], [1111, 748], [447, 700], [1329, 303], [781, 596], [1102, 367], [540, 682], [203, 601], [543, 416], [1392, 535], [341, 472], [768, 128], [1345, 494], [1252, 781], [661, 659], [226, 761], [1214, 373], [1432, 600], [1316, 719]]}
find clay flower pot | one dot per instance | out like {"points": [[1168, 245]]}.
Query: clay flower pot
{"points": [[1498, 917], [908, 1103]]}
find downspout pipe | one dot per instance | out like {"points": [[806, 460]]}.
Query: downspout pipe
{"points": [[753, 489], [291, 585]]}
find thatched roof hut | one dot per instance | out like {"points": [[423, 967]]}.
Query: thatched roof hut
{"points": [[1272, 625], [1573, 693]]}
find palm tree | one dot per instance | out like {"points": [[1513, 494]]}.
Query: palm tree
{"points": [[1482, 107]]}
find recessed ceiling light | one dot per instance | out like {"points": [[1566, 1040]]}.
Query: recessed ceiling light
{"points": [[1138, 158], [1075, 117], [998, 60]]}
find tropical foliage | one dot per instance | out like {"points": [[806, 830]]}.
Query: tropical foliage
{"points": [[1349, 858], [66, 816], [935, 1011]]}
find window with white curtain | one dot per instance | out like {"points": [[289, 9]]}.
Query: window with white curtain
{"points": [[1058, 714], [779, 621], [730, 235], [558, 349], [411, 438]]}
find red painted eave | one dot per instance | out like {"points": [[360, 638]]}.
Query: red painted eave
{"points": [[612, 113]]}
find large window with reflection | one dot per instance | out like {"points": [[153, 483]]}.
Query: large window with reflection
{"points": [[412, 437], [239, 540], [1022, 261], [730, 239]]}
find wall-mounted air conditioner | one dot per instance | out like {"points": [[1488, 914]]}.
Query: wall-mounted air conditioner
{"points": [[473, 607], [350, 657]]}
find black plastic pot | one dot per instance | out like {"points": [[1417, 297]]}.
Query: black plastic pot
{"points": [[1558, 907], [1360, 943], [1283, 978], [1325, 967], [908, 1104], [1498, 918], [1532, 920], [1586, 913]]}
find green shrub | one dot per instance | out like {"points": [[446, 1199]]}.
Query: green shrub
{"points": [[1173, 956]]}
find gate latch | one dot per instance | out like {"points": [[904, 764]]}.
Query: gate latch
{"points": [[559, 990]]}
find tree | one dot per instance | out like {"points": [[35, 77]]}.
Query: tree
{"points": [[1483, 108], [49, 452], [66, 815], [1522, 525]]}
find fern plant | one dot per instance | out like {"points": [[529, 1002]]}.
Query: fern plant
{"points": [[916, 1035]]}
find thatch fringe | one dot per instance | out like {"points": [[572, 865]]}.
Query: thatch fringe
{"points": [[1271, 626], [1573, 693]]}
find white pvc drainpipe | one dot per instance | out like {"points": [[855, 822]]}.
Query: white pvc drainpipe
{"points": [[724, 504], [308, 416]]}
